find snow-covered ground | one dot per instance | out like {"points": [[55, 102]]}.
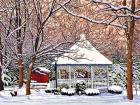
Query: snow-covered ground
{"points": [[42, 98]]}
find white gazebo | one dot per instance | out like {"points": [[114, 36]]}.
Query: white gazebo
{"points": [[85, 63]]}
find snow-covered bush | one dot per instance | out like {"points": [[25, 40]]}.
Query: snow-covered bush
{"points": [[117, 76], [64, 91], [115, 89], [68, 92], [48, 91], [80, 87], [56, 91], [7, 78], [92, 92]]}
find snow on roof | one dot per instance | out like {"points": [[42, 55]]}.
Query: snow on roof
{"points": [[85, 53], [43, 69]]}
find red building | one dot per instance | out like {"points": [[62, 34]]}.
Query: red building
{"points": [[40, 75]]}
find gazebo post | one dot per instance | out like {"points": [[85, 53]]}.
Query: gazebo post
{"points": [[107, 77], [69, 76], [92, 75], [55, 69], [74, 79]]}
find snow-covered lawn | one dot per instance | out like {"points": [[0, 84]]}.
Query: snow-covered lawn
{"points": [[42, 98]]}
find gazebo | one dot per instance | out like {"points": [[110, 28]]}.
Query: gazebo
{"points": [[85, 63]]}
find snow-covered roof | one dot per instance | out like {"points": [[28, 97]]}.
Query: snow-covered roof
{"points": [[85, 53], [43, 69]]}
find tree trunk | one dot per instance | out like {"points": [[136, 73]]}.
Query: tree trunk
{"points": [[19, 44], [29, 74], [129, 70], [20, 71], [129, 54], [1, 60], [1, 83]]}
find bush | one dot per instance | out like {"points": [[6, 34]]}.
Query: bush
{"points": [[80, 87], [115, 89], [64, 91], [55, 90], [114, 92], [48, 91], [68, 92], [92, 92], [52, 91]]}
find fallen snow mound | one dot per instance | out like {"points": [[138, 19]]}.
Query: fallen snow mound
{"points": [[115, 89], [92, 92]]}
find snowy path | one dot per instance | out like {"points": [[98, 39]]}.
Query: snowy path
{"points": [[49, 99]]}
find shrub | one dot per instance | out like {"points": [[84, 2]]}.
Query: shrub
{"points": [[64, 91], [80, 87], [115, 89], [48, 91], [52, 91], [68, 92], [92, 92]]}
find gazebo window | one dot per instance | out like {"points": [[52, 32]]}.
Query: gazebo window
{"points": [[64, 74], [81, 73], [100, 73]]}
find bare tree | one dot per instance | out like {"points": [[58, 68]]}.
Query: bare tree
{"points": [[129, 35], [19, 43], [38, 40]]}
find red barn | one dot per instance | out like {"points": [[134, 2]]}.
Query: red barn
{"points": [[41, 75]]}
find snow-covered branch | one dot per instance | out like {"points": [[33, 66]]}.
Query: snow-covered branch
{"points": [[109, 5], [90, 19], [54, 49]]}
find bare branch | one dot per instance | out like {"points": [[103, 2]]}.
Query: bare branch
{"points": [[92, 20]]}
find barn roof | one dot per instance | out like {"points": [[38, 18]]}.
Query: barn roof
{"points": [[42, 69], [84, 53]]}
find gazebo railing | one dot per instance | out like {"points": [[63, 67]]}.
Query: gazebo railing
{"points": [[72, 82]]}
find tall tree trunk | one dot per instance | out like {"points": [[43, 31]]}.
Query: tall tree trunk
{"points": [[20, 69], [35, 48], [29, 74], [19, 44], [30, 68], [129, 68], [129, 35], [1, 60], [129, 54]]}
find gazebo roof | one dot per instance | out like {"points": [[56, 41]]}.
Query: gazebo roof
{"points": [[84, 53]]}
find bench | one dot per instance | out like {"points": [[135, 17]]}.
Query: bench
{"points": [[35, 85]]}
